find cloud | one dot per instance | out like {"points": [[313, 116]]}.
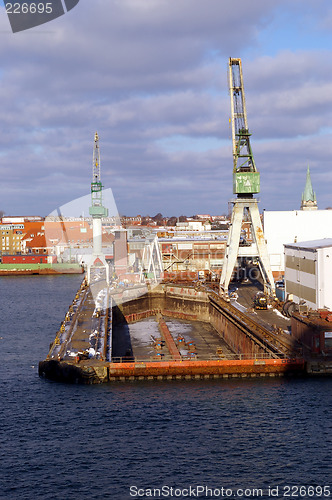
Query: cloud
{"points": [[141, 73]]}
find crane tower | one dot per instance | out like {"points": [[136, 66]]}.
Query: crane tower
{"points": [[97, 211], [246, 183]]}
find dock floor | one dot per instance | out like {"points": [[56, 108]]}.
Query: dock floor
{"points": [[193, 339]]}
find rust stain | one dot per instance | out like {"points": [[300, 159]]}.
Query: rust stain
{"points": [[209, 367]]}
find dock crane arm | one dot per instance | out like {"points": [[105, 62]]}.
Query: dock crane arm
{"points": [[246, 178]]}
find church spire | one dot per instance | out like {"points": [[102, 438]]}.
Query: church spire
{"points": [[309, 201]]}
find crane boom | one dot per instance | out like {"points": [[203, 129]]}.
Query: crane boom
{"points": [[97, 209], [96, 160], [246, 178]]}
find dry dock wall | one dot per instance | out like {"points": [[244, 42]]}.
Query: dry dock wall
{"points": [[173, 370], [190, 304], [184, 303]]}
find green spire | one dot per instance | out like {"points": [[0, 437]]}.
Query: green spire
{"points": [[309, 200]]}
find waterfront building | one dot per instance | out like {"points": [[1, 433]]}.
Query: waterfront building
{"points": [[308, 272], [182, 251], [11, 237], [194, 225], [286, 227], [20, 219], [13, 233]]}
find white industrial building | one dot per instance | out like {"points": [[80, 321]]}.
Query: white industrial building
{"points": [[285, 227], [308, 272]]}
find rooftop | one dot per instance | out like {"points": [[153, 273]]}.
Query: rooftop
{"points": [[311, 245]]}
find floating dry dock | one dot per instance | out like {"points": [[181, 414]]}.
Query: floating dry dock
{"points": [[94, 343]]}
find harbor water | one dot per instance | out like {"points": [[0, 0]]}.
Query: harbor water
{"points": [[230, 438]]}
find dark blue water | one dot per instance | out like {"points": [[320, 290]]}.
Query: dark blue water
{"points": [[95, 442]]}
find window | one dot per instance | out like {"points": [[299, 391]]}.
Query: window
{"points": [[328, 340]]}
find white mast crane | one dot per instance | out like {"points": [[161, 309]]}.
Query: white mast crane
{"points": [[97, 211]]}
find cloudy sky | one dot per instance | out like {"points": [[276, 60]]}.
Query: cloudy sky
{"points": [[151, 77]]}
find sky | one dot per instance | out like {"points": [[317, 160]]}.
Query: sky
{"points": [[151, 77]]}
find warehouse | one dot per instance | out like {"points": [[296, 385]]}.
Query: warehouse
{"points": [[308, 272], [283, 227]]}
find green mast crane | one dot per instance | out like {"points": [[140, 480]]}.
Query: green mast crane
{"points": [[246, 183], [246, 178], [97, 209]]}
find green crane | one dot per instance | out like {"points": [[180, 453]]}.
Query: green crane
{"points": [[97, 209], [246, 183], [246, 179]]}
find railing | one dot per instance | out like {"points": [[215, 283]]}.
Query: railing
{"points": [[58, 349], [226, 357]]}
